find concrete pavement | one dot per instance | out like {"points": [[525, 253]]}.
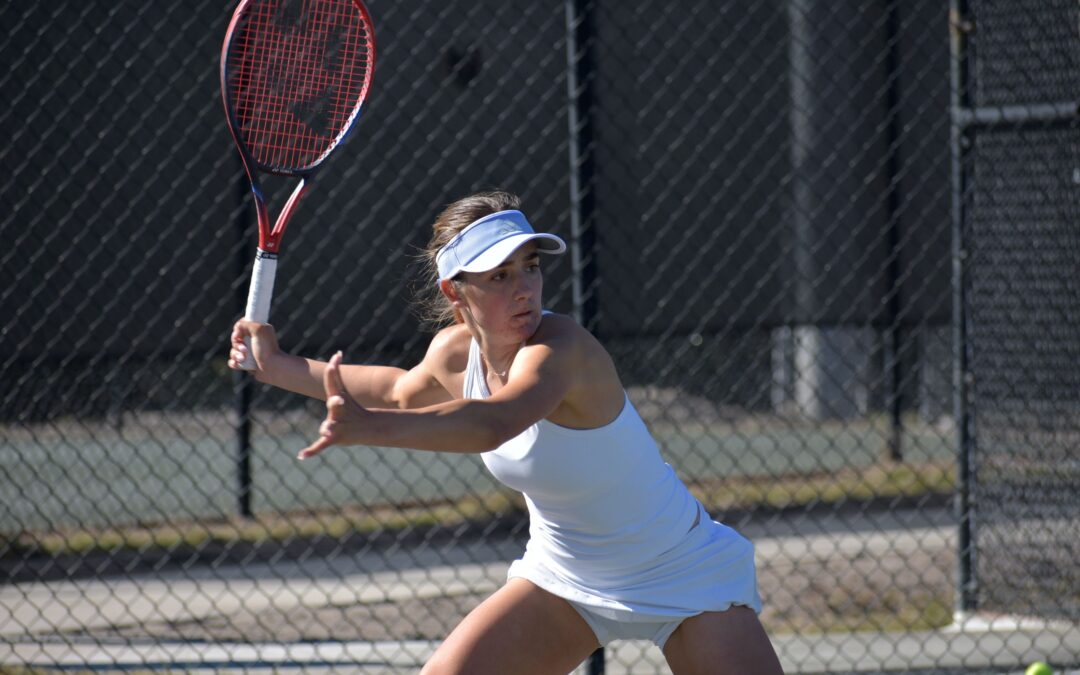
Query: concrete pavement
{"points": [[46, 624]]}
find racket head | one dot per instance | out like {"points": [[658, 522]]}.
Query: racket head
{"points": [[294, 75]]}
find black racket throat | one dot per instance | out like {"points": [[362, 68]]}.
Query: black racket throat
{"points": [[283, 198]]}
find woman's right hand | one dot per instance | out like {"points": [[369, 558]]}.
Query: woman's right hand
{"points": [[264, 344]]}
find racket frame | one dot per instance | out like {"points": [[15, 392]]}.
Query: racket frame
{"points": [[264, 270]]}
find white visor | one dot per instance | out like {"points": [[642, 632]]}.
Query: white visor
{"points": [[487, 242]]}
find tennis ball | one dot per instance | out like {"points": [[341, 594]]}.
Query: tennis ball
{"points": [[1039, 668]]}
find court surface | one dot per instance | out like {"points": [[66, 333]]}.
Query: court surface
{"points": [[78, 625]]}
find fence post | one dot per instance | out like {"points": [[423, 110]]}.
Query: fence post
{"points": [[894, 328], [579, 85], [966, 582], [242, 386]]}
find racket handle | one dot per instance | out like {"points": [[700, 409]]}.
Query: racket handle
{"points": [[259, 294]]}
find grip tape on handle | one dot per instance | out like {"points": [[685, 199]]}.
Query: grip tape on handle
{"points": [[259, 294]]}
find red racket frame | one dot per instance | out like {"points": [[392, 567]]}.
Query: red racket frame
{"points": [[270, 238]]}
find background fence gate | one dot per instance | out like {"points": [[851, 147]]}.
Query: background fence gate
{"points": [[1017, 163]]}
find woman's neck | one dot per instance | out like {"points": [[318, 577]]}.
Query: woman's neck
{"points": [[498, 357]]}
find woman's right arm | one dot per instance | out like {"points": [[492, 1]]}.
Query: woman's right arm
{"points": [[371, 386]]}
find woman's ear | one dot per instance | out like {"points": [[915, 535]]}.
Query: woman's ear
{"points": [[450, 291]]}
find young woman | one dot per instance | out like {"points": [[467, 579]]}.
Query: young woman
{"points": [[618, 548]]}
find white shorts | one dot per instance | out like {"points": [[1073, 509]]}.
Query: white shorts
{"points": [[657, 629]]}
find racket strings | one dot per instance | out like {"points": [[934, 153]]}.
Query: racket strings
{"points": [[299, 73]]}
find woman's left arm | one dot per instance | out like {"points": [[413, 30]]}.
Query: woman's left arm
{"points": [[541, 377]]}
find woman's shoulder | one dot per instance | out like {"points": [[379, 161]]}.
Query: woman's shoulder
{"points": [[595, 396], [560, 327], [563, 332], [449, 348]]}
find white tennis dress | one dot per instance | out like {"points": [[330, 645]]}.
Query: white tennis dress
{"points": [[612, 528]]}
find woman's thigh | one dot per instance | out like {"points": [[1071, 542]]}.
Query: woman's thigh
{"points": [[521, 628], [722, 642]]}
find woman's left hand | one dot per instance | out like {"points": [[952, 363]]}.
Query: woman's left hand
{"points": [[342, 412]]}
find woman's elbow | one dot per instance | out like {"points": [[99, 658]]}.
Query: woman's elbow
{"points": [[487, 440], [494, 434], [477, 439]]}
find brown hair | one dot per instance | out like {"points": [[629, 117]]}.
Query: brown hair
{"points": [[433, 307]]}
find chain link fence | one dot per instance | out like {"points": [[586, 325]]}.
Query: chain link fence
{"points": [[830, 245]]}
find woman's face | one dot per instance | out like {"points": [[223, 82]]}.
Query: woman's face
{"points": [[505, 301]]}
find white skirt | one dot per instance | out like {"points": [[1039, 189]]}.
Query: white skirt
{"points": [[710, 570]]}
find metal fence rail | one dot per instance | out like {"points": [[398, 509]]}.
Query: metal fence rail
{"points": [[829, 244]]}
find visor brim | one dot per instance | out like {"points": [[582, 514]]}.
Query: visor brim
{"points": [[498, 252]]}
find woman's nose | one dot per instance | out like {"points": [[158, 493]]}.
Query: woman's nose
{"points": [[523, 288]]}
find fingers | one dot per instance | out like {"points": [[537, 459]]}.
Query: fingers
{"points": [[239, 352], [336, 404], [250, 339], [332, 382], [315, 448], [236, 346], [241, 329], [338, 379], [237, 356], [335, 407], [337, 397]]}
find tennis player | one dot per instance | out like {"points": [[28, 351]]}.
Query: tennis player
{"points": [[618, 547]]}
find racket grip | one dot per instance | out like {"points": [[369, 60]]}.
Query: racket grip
{"points": [[259, 294]]}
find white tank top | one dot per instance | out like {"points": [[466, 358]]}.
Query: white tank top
{"points": [[603, 505]]}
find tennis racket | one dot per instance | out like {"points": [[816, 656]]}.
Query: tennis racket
{"points": [[294, 74]]}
